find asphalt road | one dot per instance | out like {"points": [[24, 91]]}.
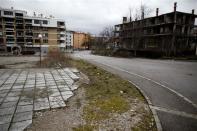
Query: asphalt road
{"points": [[171, 86]]}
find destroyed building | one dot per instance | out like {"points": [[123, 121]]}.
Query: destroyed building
{"points": [[168, 34]]}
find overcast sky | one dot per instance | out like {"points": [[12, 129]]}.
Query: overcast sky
{"points": [[93, 15]]}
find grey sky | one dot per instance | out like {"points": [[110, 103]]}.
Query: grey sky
{"points": [[93, 15]]}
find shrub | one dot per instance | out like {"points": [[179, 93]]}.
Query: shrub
{"points": [[55, 58]]}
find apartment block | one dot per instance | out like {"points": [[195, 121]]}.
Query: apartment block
{"points": [[80, 40], [167, 34], [69, 39], [19, 32]]}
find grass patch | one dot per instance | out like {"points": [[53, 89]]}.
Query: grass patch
{"points": [[84, 128], [146, 124], [102, 108], [106, 93]]}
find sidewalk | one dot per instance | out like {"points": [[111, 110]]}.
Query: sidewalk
{"points": [[25, 91]]}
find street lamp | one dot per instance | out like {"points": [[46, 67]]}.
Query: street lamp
{"points": [[40, 37]]}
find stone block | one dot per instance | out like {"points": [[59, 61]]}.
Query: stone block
{"points": [[4, 127], [20, 126], [5, 119], [24, 108], [23, 116], [7, 111]]}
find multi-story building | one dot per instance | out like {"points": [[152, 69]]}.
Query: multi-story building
{"points": [[80, 40], [18, 31], [167, 34], [69, 39]]}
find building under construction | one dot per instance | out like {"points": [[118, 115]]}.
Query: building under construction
{"points": [[168, 34]]}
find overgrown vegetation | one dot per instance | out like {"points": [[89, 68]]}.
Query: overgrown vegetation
{"points": [[108, 94], [56, 57]]}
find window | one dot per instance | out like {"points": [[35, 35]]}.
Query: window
{"points": [[37, 41], [36, 22], [45, 34], [36, 28], [45, 22], [45, 29], [45, 41], [8, 13], [36, 34]]}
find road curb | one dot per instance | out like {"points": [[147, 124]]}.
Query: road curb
{"points": [[157, 121]]}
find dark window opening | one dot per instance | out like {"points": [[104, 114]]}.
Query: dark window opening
{"points": [[36, 22], [8, 13], [45, 22]]}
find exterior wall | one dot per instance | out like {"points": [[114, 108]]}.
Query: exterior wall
{"points": [[80, 39], [167, 34], [21, 30], [69, 39], [52, 37]]}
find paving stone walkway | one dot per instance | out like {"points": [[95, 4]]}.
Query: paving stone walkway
{"points": [[25, 91]]}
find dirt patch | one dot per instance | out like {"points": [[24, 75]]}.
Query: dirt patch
{"points": [[64, 119], [19, 62]]}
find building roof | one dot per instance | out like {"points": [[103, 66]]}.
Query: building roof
{"points": [[178, 12]]}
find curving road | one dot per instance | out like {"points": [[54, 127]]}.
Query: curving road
{"points": [[171, 86]]}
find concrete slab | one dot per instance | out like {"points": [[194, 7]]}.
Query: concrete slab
{"points": [[10, 99], [7, 111], [24, 108], [4, 127], [23, 116], [5, 119], [20, 126], [18, 99], [8, 104]]}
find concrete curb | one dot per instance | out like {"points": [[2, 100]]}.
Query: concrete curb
{"points": [[157, 121]]}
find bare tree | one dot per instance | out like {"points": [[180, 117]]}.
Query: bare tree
{"points": [[142, 12], [145, 11]]}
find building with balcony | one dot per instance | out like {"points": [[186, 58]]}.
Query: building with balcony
{"points": [[167, 34], [20, 31], [69, 39]]}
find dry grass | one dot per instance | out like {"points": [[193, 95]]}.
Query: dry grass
{"points": [[104, 97], [54, 58]]}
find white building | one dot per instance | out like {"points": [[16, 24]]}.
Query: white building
{"points": [[69, 39]]}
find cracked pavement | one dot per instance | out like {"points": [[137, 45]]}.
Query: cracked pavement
{"points": [[23, 91]]}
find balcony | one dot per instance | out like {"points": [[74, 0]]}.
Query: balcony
{"points": [[61, 26], [9, 27], [9, 22], [10, 42], [62, 38], [29, 35], [62, 33], [9, 35]]}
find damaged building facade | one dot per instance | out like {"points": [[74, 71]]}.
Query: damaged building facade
{"points": [[168, 34]]}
